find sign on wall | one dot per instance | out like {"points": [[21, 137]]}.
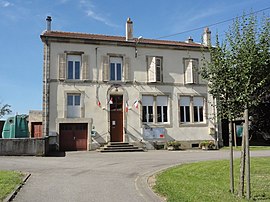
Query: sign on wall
{"points": [[153, 133]]}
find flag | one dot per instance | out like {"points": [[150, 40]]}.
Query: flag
{"points": [[111, 101], [99, 104], [136, 103], [126, 106]]}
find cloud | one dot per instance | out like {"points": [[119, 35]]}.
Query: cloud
{"points": [[5, 4], [91, 12]]}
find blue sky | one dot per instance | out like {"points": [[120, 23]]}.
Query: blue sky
{"points": [[22, 22]]}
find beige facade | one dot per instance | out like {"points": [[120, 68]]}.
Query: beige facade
{"points": [[162, 97]]}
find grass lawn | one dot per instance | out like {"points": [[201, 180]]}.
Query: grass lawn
{"points": [[252, 148], [8, 182], [210, 181]]}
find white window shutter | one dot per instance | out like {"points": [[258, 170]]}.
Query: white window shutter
{"points": [[151, 64], [195, 71], [62, 66], [105, 68], [127, 69], [189, 71], [85, 67]]}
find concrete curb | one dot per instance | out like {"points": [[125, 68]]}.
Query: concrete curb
{"points": [[144, 184], [11, 196]]}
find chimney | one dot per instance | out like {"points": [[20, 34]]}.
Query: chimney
{"points": [[129, 30], [190, 40], [49, 20], [207, 37]]}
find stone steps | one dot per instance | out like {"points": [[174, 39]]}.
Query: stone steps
{"points": [[120, 147]]}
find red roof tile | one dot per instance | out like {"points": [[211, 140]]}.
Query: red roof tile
{"points": [[99, 37]]}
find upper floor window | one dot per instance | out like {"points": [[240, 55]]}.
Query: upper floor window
{"points": [[74, 67], [73, 105], [154, 67], [115, 68], [191, 71]]}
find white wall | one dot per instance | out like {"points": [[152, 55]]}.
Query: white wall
{"points": [[173, 77]]}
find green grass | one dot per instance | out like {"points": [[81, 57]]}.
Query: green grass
{"points": [[252, 148], [8, 182], [210, 181]]}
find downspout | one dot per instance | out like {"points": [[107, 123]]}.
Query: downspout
{"points": [[46, 88]]}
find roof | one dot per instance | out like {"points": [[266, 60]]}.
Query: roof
{"points": [[107, 38]]}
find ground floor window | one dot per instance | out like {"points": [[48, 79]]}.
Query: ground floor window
{"points": [[191, 109], [154, 109], [73, 105]]}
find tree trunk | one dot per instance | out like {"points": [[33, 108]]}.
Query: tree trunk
{"points": [[247, 153], [242, 168], [231, 157]]}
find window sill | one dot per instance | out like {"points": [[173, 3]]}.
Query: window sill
{"points": [[203, 124], [156, 125]]}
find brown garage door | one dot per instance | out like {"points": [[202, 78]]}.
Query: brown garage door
{"points": [[73, 136]]}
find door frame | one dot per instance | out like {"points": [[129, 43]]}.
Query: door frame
{"points": [[122, 117], [89, 122]]}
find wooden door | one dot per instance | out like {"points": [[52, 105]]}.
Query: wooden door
{"points": [[116, 118], [73, 137], [36, 129]]}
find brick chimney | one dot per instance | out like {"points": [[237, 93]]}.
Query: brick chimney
{"points": [[129, 30], [207, 37], [49, 20]]}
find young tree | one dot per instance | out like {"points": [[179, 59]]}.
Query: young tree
{"points": [[238, 74], [4, 110]]}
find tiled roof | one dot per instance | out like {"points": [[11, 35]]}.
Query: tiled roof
{"points": [[99, 37]]}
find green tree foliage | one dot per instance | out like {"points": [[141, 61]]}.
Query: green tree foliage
{"points": [[239, 70], [239, 75], [4, 110]]}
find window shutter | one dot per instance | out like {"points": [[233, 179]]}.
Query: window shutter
{"points": [[127, 69], [105, 68], [62, 66], [195, 71], [188, 71], [85, 67], [151, 64]]}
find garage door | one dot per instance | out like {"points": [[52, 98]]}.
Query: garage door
{"points": [[73, 136]]}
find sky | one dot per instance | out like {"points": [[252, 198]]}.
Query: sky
{"points": [[22, 22]]}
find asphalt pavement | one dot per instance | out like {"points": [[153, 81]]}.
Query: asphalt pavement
{"points": [[96, 177]]}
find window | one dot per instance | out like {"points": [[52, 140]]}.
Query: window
{"points": [[198, 109], [147, 103], [154, 65], [73, 105], [160, 104], [74, 67], [191, 109], [162, 109], [185, 109], [191, 71], [115, 68]]}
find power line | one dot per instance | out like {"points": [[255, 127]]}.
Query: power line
{"points": [[210, 25]]}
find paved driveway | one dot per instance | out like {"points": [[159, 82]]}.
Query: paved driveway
{"points": [[93, 176]]}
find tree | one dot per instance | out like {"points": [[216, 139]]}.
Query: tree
{"points": [[4, 110], [238, 74]]}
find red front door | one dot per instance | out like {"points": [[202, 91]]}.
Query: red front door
{"points": [[116, 118]]}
